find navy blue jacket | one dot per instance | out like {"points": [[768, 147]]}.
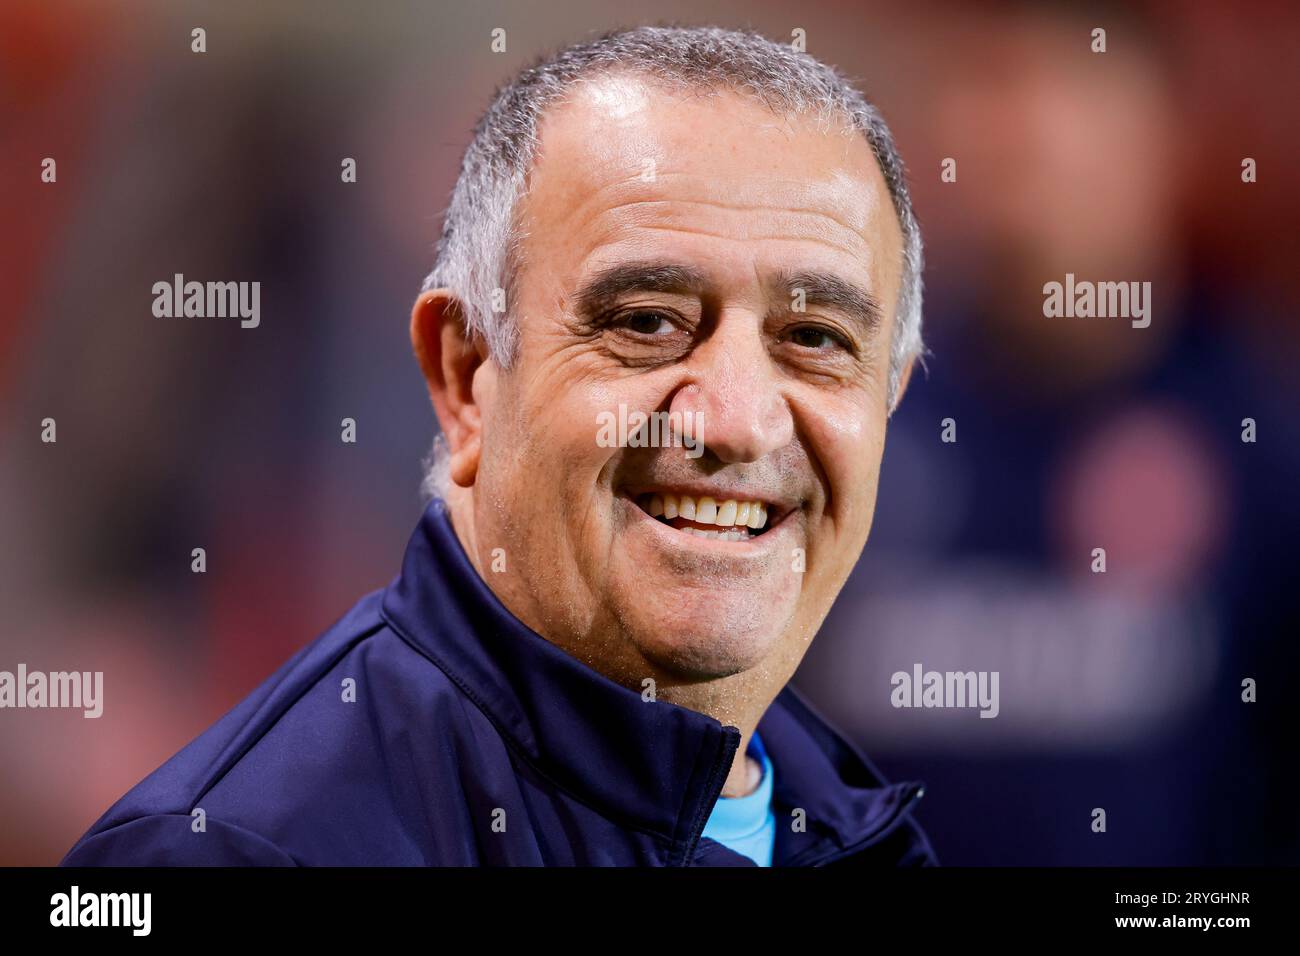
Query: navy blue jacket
{"points": [[474, 741]]}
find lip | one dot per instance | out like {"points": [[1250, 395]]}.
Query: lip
{"points": [[768, 541]]}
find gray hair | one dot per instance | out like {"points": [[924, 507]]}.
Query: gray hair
{"points": [[477, 253]]}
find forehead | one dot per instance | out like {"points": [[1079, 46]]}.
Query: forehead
{"points": [[628, 166]]}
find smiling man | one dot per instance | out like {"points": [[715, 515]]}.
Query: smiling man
{"points": [[585, 657]]}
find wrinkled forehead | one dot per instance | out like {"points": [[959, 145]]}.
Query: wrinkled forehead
{"points": [[623, 152]]}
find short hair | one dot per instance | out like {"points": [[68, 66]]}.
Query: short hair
{"points": [[477, 253]]}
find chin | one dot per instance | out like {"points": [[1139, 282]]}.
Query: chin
{"points": [[706, 646]]}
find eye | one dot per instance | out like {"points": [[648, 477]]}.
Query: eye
{"points": [[647, 322], [814, 337]]}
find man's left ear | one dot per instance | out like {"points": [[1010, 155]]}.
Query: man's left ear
{"points": [[902, 383]]}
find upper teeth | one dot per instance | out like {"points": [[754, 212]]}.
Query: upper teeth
{"points": [[727, 514]]}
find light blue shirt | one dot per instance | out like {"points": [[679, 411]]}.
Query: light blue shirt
{"points": [[747, 824]]}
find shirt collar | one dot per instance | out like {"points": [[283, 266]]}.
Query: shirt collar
{"points": [[655, 766]]}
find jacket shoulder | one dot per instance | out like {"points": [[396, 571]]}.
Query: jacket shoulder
{"points": [[303, 746], [173, 839]]}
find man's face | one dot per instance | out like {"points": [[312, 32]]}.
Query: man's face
{"points": [[667, 237]]}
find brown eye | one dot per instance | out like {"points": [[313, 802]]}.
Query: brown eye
{"points": [[645, 322], [811, 337]]}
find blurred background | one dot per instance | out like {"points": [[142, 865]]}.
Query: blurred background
{"points": [[1119, 690]]}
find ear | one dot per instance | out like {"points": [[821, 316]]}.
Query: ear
{"points": [[902, 383], [449, 359]]}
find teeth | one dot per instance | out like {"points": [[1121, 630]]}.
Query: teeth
{"points": [[718, 535], [730, 514]]}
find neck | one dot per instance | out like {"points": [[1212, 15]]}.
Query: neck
{"points": [[746, 772]]}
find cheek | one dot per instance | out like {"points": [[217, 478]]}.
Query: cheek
{"points": [[848, 440], [553, 433]]}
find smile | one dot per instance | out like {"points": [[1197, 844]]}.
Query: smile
{"points": [[706, 517]]}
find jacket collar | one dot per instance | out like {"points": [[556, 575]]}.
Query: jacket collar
{"points": [[656, 767]]}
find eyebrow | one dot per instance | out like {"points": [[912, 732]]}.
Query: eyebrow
{"points": [[603, 290], [832, 292]]}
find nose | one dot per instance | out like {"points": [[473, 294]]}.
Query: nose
{"points": [[736, 392]]}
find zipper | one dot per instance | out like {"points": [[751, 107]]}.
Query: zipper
{"points": [[718, 777]]}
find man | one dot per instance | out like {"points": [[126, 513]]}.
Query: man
{"points": [[585, 657]]}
